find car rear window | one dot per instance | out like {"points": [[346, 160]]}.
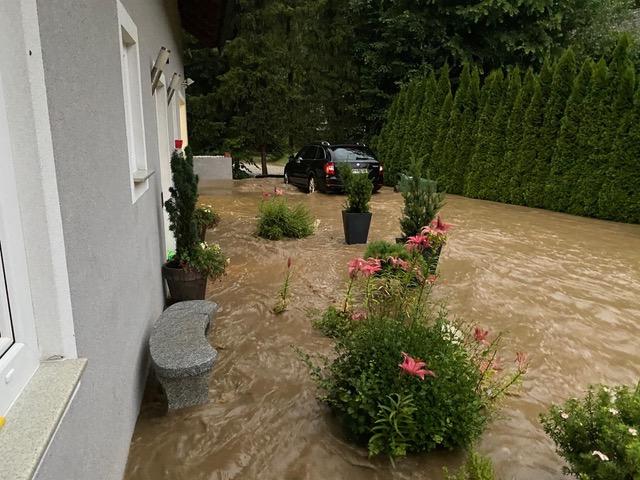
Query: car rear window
{"points": [[345, 154]]}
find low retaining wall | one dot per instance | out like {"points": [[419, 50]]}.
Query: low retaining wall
{"points": [[213, 168]]}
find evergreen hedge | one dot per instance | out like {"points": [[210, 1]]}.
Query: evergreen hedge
{"points": [[566, 138]]}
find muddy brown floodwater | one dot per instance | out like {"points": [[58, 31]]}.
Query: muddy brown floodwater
{"points": [[565, 289]]}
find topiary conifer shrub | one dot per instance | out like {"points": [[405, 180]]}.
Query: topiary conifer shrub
{"points": [[277, 219], [422, 201]]}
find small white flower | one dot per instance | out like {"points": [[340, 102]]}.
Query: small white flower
{"points": [[633, 432], [564, 415], [613, 411], [600, 455], [203, 245], [452, 333]]}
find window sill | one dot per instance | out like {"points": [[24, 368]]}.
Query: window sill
{"points": [[32, 421], [141, 176]]}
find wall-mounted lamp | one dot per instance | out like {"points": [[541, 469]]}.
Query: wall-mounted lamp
{"points": [[176, 81], [188, 82], [158, 67]]}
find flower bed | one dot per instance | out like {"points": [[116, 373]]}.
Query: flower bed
{"points": [[405, 378]]}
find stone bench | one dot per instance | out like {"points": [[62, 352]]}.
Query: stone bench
{"points": [[181, 354]]}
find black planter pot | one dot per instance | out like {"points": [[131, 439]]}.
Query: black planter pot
{"points": [[356, 227], [184, 284]]}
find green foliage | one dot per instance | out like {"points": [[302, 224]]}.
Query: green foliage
{"points": [[386, 251], [476, 467], [182, 204], [205, 217], [207, 259], [383, 250], [552, 140], [333, 323], [358, 188], [394, 427], [598, 436], [422, 201], [277, 220]]}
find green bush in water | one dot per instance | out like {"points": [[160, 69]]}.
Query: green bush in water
{"points": [[599, 435], [476, 467], [277, 219]]}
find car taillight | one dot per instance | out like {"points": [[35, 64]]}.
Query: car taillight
{"points": [[381, 169], [330, 168]]}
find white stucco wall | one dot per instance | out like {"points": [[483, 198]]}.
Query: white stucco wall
{"points": [[113, 247], [213, 167]]}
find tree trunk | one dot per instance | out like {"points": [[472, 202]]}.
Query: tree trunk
{"points": [[263, 159]]}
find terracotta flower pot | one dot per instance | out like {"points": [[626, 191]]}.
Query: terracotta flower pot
{"points": [[184, 284]]}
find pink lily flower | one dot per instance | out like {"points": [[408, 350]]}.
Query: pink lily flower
{"points": [[359, 315], [418, 242], [278, 192], [399, 263], [265, 195], [289, 263], [439, 227], [480, 335], [366, 268], [415, 367], [432, 279]]}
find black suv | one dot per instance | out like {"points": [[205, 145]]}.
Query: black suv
{"points": [[315, 167]]}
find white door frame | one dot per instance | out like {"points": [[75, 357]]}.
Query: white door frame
{"points": [[164, 152]]}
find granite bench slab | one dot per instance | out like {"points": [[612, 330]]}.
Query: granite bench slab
{"points": [[181, 354]]}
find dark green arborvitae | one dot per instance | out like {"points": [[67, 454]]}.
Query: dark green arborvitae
{"points": [[443, 91], [453, 138], [621, 176], [527, 174], [391, 150], [413, 121], [385, 137], [546, 79], [486, 137], [567, 157], [436, 168], [593, 146], [426, 130], [561, 86], [515, 133], [513, 102], [182, 204], [468, 130]]}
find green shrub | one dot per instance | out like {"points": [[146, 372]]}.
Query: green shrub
{"points": [[359, 189], [422, 201], [389, 253], [476, 467], [277, 219], [383, 249], [382, 393], [598, 436], [333, 323]]}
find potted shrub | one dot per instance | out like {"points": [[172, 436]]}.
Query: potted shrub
{"points": [[186, 272], [356, 217], [205, 217], [422, 202]]}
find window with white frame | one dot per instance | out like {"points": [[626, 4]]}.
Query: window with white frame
{"points": [[132, 93], [18, 349]]}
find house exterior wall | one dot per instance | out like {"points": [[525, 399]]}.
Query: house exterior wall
{"points": [[114, 248]]}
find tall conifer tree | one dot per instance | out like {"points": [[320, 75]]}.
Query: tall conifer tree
{"points": [[427, 128], [443, 90], [486, 136], [435, 168], [593, 144], [568, 156]]}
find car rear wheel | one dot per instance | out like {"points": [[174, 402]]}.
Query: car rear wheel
{"points": [[286, 178], [311, 185]]}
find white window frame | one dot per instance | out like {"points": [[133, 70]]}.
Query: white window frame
{"points": [[19, 357], [132, 95]]}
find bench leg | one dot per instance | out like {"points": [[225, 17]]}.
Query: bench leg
{"points": [[187, 391]]}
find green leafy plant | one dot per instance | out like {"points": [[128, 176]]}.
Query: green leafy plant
{"points": [[207, 259], [599, 435], [422, 201], [476, 467], [396, 258], [404, 378], [359, 189], [277, 219], [283, 294], [205, 217], [394, 427]]}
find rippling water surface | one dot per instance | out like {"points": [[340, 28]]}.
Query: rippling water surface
{"points": [[565, 289]]}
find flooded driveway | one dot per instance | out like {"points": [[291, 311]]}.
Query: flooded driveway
{"points": [[565, 289]]}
